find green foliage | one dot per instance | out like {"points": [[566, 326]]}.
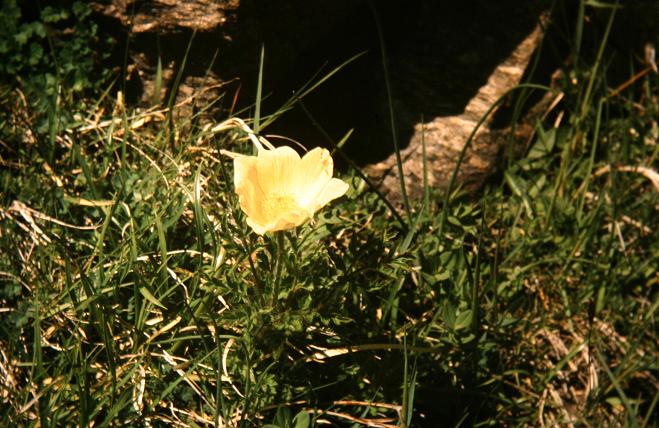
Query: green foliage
{"points": [[133, 292], [59, 43], [53, 56]]}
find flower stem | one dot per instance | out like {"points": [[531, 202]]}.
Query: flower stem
{"points": [[279, 261]]}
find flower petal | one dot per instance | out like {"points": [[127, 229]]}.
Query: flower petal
{"points": [[285, 221], [276, 170], [315, 171], [257, 227], [335, 188], [250, 194], [291, 219], [278, 190], [244, 170]]}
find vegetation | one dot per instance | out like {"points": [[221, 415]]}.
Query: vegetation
{"points": [[133, 291]]}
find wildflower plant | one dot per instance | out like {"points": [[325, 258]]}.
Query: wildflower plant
{"points": [[277, 189]]}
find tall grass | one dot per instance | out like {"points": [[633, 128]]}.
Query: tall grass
{"points": [[134, 293]]}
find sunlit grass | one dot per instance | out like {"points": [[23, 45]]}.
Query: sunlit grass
{"points": [[134, 292]]}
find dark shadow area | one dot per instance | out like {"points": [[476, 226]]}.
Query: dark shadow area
{"points": [[439, 54]]}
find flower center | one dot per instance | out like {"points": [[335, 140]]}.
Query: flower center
{"points": [[276, 205]]}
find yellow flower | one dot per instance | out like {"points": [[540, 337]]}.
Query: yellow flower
{"points": [[278, 190]]}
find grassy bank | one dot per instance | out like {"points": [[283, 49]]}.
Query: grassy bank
{"points": [[134, 293]]}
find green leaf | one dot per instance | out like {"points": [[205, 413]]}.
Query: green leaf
{"points": [[151, 298], [602, 5], [302, 420], [449, 315], [519, 188], [21, 37], [36, 53], [50, 14], [464, 320], [544, 144]]}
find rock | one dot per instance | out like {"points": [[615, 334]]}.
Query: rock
{"points": [[445, 137], [168, 15]]}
